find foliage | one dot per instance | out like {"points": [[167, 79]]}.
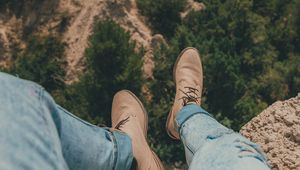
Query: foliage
{"points": [[244, 53], [14, 6], [42, 62], [112, 65], [1, 48], [163, 92], [250, 54], [164, 15]]}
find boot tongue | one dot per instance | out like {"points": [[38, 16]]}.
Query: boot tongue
{"points": [[182, 90], [191, 89]]}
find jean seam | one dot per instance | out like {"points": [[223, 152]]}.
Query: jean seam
{"points": [[115, 152], [187, 145], [75, 117], [41, 98]]}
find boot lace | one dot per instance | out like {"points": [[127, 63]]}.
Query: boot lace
{"points": [[191, 95], [123, 122]]}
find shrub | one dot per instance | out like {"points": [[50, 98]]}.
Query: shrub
{"points": [[42, 61], [242, 55], [1, 48], [111, 65], [163, 92], [164, 15], [250, 58]]}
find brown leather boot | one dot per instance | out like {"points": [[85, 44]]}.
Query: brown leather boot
{"points": [[188, 76], [130, 116]]}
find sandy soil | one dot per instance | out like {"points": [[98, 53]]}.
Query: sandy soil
{"points": [[84, 15], [277, 130]]}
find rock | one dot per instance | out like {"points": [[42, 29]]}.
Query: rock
{"points": [[296, 135], [191, 6], [280, 139], [157, 40], [288, 120]]}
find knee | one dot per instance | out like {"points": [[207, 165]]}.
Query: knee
{"points": [[13, 88]]}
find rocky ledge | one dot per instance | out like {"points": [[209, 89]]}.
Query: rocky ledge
{"points": [[277, 130]]}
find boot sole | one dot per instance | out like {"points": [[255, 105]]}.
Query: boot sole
{"points": [[158, 162]]}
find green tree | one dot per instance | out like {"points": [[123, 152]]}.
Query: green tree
{"points": [[250, 54], [42, 61], [111, 65], [241, 52], [164, 15]]}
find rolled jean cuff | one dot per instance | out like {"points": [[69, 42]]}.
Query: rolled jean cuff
{"points": [[187, 112], [124, 155]]}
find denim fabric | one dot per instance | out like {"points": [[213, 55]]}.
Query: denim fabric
{"points": [[35, 134], [86, 146], [211, 146]]}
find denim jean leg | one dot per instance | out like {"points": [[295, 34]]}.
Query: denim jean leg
{"points": [[193, 136], [28, 135], [36, 133], [89, 147], [124, 151], [210, 145]]}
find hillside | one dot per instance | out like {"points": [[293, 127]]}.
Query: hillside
{"points": [[73, 20], [82, 52]]}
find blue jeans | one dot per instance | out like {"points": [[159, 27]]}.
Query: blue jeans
{"points": [[36, 133], [211, 146]]}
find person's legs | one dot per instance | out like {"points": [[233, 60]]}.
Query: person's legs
{"points": [[86, 146], [35, 133], [210, 145], [28, 135]]}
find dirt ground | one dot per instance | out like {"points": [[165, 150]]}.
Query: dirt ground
{"points": [[277, 130]]}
